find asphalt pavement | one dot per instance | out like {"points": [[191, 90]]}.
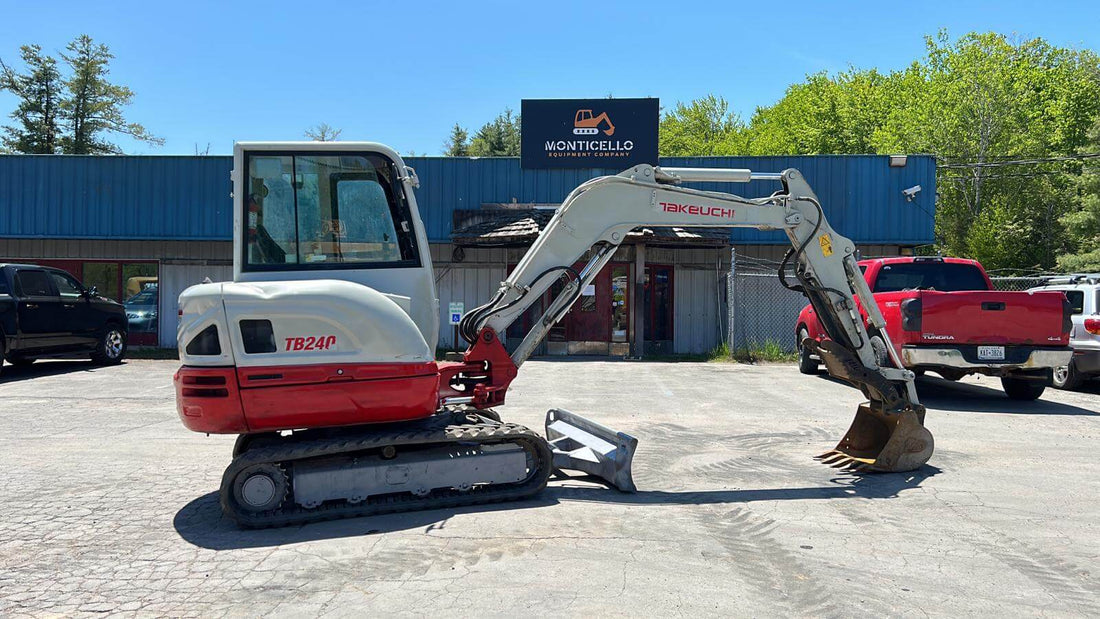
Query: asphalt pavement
{"points": [[109, 505]]}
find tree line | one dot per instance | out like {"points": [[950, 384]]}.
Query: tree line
{"points": [[1014, 125], [67, 107]]}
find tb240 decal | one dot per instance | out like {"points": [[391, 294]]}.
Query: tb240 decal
{"points": [[320, 342]]}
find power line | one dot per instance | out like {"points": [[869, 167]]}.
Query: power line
{"points": [[995, 164]]}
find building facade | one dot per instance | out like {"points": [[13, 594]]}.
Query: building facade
{"points": [[143, 228]]}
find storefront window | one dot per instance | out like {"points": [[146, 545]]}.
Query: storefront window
{"points": [[588, 298], [142, 298], [620, 313], [102, 275]]}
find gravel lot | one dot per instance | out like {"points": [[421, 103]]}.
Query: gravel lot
{"points": [[109, 505]]}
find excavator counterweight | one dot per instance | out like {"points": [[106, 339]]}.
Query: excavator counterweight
{"points": [[320, 353]]}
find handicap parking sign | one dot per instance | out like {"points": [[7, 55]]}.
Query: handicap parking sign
{"points": [[456, 310]]}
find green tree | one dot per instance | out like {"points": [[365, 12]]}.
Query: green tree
{"points": [[39, 91], [497, 138], [457, 145], [1082, 224], [980, 103], [93, 105], [703, 127], [835, 115]]}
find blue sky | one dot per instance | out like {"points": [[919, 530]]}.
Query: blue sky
{"points": [[404, 72]]}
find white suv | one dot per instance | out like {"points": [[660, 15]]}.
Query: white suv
{"points": [[1083, 292]]}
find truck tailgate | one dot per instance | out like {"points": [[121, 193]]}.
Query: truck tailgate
{"points": [[993, 317]]}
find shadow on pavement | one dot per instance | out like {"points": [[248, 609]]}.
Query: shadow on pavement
{"points": [[202, 523], [13, 374], [873, 486], [942, 394]]}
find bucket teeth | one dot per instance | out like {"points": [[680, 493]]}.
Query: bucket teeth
{"points": [[833, 458]]}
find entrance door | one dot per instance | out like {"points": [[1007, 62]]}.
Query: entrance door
{"points": [[658, 309], [589, 320]]}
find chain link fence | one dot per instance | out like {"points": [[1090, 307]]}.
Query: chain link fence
{"points": [[761, 311], [1019, 283]]}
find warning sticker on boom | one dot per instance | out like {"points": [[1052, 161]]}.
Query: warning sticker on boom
{"points": [[826, 245]]}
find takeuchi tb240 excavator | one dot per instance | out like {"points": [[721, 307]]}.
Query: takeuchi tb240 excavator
{"points": [[320, 354]]}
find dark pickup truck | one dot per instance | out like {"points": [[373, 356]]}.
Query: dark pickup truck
{"points": [[46, 312]]}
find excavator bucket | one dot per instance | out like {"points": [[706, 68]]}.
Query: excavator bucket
{"points": [[883, 438], [882, 442], [580, 444]]}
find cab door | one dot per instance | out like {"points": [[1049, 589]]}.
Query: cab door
{"points": [[38, 309]]}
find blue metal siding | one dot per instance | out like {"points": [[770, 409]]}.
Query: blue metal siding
{"points": [[125, 197], [187, 198]]}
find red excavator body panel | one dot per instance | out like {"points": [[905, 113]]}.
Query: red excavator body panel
{"points": [[232, 400]]}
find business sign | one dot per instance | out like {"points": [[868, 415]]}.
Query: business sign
{"points": [[588, 133], [456, 310]]}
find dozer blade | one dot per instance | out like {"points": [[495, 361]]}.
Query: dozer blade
{"points": [[882, 442], [583, 445]]}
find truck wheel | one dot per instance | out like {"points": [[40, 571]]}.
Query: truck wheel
{"points": [[806, 364], [1067, 377], [111, 346], [1022, 389]]}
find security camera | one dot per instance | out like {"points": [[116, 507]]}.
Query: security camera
{"points": [[910, 193]]}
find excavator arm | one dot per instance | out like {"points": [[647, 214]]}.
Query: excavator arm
{"points": [[888, 432]]}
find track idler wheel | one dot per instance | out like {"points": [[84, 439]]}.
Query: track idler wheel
{"points": [[882, 442], [260, 488]]}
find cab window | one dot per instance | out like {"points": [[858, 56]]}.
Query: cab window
{"points": [[317, 211], [66, 286], [33, 283]]}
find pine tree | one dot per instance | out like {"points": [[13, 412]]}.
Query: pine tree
{"points": [[39, 90], [94, 105], [498, 138], [457, 145]]}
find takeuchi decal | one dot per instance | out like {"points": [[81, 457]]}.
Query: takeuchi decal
{"points": [[696, 209]]}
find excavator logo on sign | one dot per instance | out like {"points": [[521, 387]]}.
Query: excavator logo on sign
{"points": [[584, 123]]}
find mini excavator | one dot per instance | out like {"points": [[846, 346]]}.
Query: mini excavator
{"points": [[320, 354]]}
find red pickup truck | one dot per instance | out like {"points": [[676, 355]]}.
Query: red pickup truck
{"points": [[943, 315]]}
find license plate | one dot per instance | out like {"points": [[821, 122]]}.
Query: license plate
{"points": [[991, 353]]}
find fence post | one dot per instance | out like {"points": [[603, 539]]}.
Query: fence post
{"points": [[731, 293]]}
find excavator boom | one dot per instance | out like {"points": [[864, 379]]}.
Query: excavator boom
{"points": [[888, 433]]}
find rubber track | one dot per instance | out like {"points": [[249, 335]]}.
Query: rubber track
{"points": [[483, 433]]}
